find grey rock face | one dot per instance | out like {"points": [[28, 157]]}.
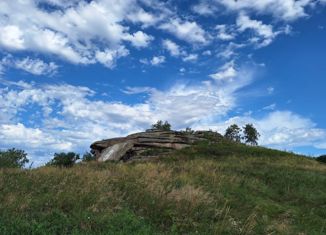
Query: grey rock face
{"points": [[115, 151], [147, 144]]}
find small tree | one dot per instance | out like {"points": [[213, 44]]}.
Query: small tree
{"points": [[64, 159], [189, 130], [321, 158], [159, 125], [233, 133], [87, 157], [13, 158], [251, 134]]}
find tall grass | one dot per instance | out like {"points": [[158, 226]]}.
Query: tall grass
{"points": [[206, 189]]}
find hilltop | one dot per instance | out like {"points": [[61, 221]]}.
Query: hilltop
{"points": [[207, 188], [149, 144]]}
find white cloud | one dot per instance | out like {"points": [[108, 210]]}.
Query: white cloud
{"points": [[225, 32], [280, 9], [284, 128], [139, 39], [270, 107], [141, 16], [204, 8], [109, 57], [230, 50], [11, 37], [172, 47], [279, 129], [190, 58], [226, 72], [188, 31], [33, 66], [70, 32], [17, 134], [157, 60], [262, 30], [36, 66]]}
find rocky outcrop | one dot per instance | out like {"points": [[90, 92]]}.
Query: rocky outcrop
{"points": [[148, 144]]}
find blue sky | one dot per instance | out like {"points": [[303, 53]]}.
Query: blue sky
{"points": [[72, 72]]}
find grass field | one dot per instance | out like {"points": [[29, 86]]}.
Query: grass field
{"points": [[206, 189]]}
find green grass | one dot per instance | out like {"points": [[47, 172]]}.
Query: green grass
{"points": [[207, 189]]}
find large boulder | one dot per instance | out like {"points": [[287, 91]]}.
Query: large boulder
{"points": [[148, 144]]}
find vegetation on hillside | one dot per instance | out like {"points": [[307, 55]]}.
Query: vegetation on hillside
{"points": [[159, 125], [223, 188], [13, 158], [321, 158], [250, 134]]}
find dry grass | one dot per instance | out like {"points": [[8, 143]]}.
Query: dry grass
{"points": [[195, 191]]}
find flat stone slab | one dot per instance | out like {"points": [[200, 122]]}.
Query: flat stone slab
{"points": [[125, 148]]}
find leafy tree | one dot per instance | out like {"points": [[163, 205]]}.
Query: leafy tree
{"points": [[251, 134], [64, 159], [159, 125], [87, 157], [189, 130], [321, 158], [233, 133], [13, 158]]}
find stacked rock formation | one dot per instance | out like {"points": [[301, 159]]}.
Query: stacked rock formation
{"points": [[147, 144]]}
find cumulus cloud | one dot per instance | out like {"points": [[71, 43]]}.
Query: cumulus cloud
{"points": [[12, 37], [172, 47], [278, 129], [108, 57], [157, 60], [17, 134], [27, 64], [36, 67], [139, 39], [70, 32], [188, 31], [264, 32], [225, 32], [204, 8], [281, 9], [226, 72], [287, 129]]}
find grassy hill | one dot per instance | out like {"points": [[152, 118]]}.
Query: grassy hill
{"points": [[206, 189]]}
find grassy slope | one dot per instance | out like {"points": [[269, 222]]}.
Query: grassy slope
{"points": [[207, 189]]}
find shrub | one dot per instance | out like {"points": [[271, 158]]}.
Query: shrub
{"points": [[64, 159], [189, 130], [321, 158], [13, 158], [87, 157], [159, 125]]}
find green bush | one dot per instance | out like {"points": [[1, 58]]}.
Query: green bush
{"points": [[13, 158], [88, 157], [64, 159], [321, 158], [159, 125]]}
